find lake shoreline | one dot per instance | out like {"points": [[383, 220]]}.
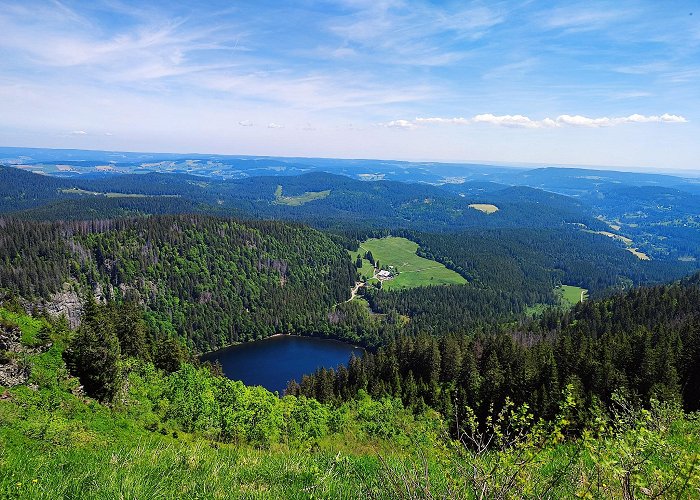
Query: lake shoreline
{"points": [[275, 360]]}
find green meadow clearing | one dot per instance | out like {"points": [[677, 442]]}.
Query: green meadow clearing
{"points": [[572, 295], [487, 208], [413, 270], [295, 201], [117, 195], [568, 295]]}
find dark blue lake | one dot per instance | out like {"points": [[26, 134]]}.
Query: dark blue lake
{"points": [[274, 361]]}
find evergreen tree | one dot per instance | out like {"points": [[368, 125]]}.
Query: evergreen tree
{"points": [[169, 355], [131, 330], [93, 354]]}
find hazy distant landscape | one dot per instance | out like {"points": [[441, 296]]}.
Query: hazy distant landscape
{"points": [[652, 215]]}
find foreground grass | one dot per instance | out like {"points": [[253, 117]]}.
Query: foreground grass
{"points": [[413, 270], [89, 451], [159, 467], [56, 443]]}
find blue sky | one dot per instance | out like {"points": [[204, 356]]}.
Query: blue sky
{"points": [[598, 83]]}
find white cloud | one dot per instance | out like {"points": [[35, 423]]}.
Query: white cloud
{"points": [[245, 123], [521, 121], [78, 132], [401, 124], [451, 121], [274, 125], [583, 121], [605, 121], [506, 120]]}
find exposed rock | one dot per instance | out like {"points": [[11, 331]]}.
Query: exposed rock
{"points": [[13, 369], [10, 339], [13, 373], [66, 302]]}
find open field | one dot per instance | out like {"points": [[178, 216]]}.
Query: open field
{"points": [[413, 270], [569, 297], [614, 236], [627, 241], [572, 295], [116, 195], [295, 201], [367, 270], [638, 254], [484, 207]]}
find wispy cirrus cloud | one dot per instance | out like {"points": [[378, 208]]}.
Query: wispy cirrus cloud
{"points": [[521, 121], [587, 18], [415, 33]]}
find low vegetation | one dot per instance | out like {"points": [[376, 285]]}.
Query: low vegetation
{"points": [[295, 201], [487, 208], [408, 270], [638, 254], [191, 433], [572, 295], [115, 195]]}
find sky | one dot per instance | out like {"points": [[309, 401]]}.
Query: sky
{"points": [[587, 83]]}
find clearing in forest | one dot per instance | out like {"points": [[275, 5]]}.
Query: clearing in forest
{"points": [[116, 195], [295, 201], [398, 256], [628, 243], [572, 295], [487, 208]]}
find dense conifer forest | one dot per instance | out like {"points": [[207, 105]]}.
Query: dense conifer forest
{"points": [[644, 343], [210, 281]]}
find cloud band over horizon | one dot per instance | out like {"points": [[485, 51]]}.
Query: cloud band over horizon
{"points": [[521, 121]]}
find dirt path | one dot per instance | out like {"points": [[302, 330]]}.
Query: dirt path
{"points": [[353, 292], [360, 284]]}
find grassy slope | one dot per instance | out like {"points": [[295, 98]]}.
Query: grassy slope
{"points": [[572, 294], [54, 444], [413, 270], [367, 270], [487, 208], [295, 201]]}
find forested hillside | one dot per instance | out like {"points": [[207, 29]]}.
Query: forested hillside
{"points": [[644, 343], [212, 281], [531, 262], [346, 202]]}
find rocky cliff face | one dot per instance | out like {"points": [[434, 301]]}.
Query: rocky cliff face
{"points": [[13, 369], [66, 302]]}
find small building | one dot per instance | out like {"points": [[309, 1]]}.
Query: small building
{"points": [[383, 274]]}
